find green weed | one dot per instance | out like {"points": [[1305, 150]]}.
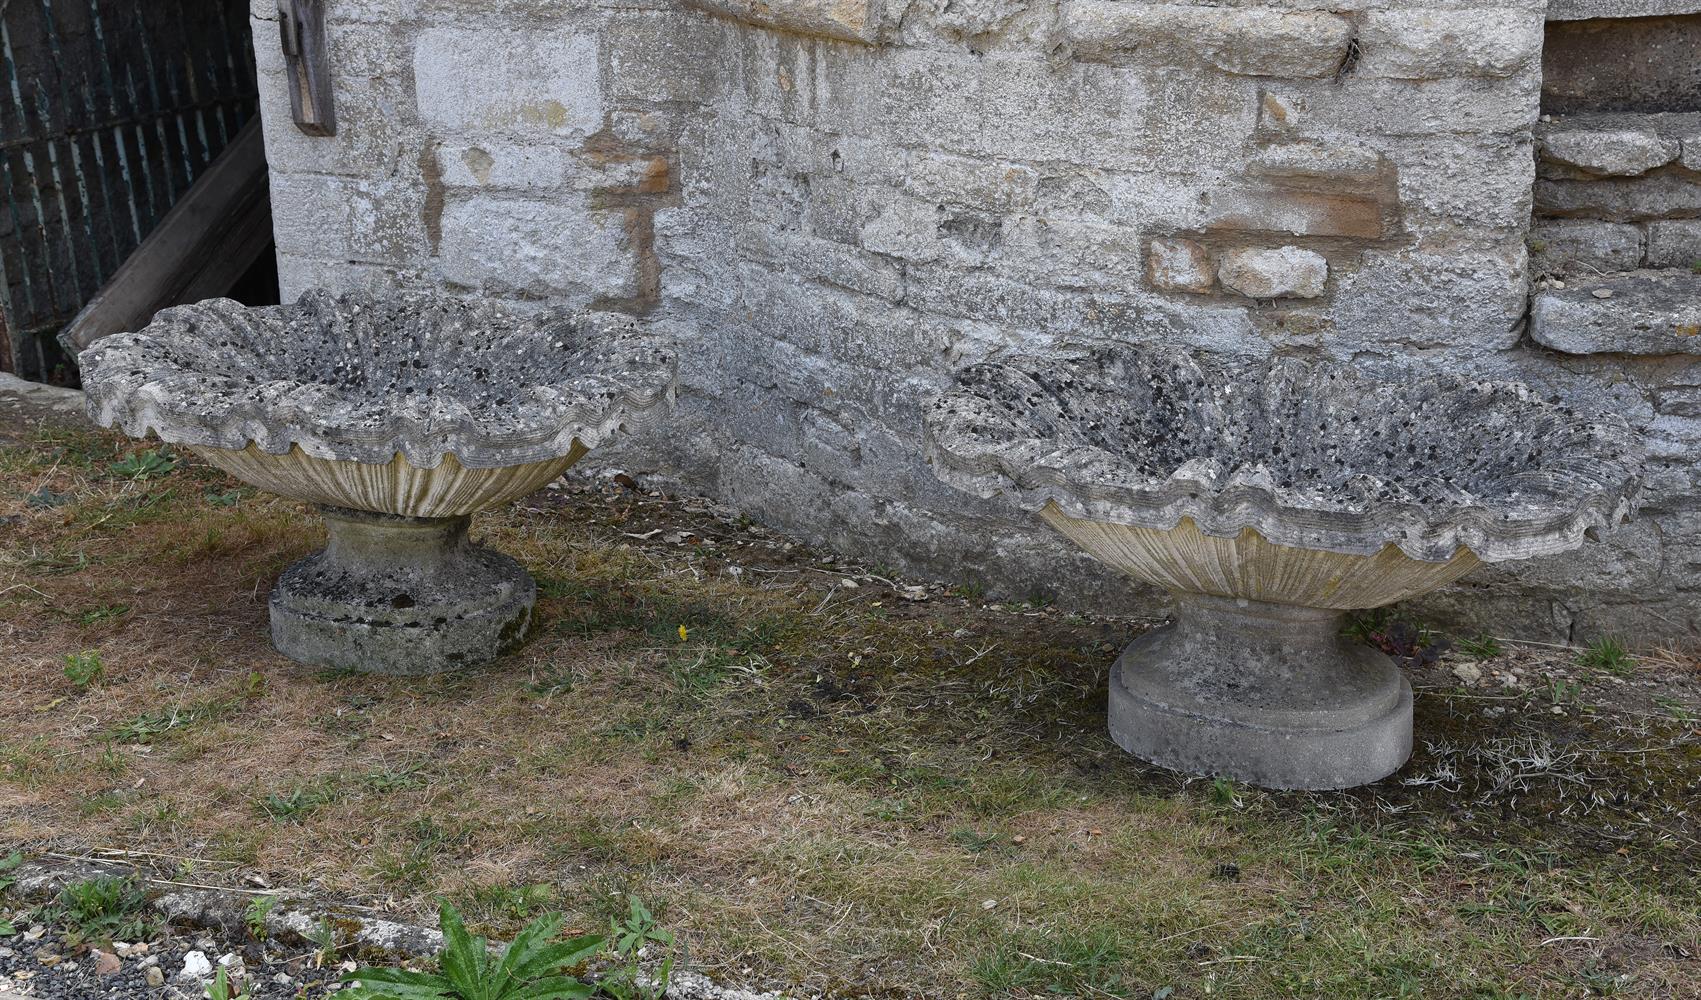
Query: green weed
{"points": [[529, 969], [143, 465], [84, 669]]}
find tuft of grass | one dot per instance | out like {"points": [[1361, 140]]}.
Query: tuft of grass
{"points": [[1483, 647], [1607, 653], [1085, 962], [509, 902], [297, 803], [150, 726]]}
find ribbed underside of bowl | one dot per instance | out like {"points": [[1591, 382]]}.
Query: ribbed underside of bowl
{"points": [[394, 487], [1186, 560]]}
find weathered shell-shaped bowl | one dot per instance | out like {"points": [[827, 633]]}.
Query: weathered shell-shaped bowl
{"points": [[413, 403], [1282, 481]]}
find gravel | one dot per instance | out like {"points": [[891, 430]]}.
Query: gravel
{"points": [[37, 962]]}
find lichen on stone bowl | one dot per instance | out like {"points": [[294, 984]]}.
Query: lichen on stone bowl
{"points": [[400, 414], [1270, 497]]}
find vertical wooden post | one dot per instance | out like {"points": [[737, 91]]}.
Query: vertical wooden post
{"points": [[308, 62]]}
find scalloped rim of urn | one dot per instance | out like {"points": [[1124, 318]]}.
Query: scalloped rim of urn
{"points": [[1184, 559], [566, 424], [1027, 473]]}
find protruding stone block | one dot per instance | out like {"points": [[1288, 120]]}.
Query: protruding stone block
{"points": [[1567, 246], [1674, 243], [1177, 265], [1242, 40], [1611, 152], [1620, 199], [1435, 44], [1646, 312], [846, 20], [1284, 273]]}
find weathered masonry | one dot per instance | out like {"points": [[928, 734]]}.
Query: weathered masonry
{"points": [[838, 202]]}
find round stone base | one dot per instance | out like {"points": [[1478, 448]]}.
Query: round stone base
{"points": [[400, 595], [1268, 694]]}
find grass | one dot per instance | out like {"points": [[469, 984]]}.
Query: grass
{"points": [[1609, 654], [816, 786]]}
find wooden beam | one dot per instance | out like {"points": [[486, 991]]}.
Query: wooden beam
{"points": [[307, 60], [209, 239]]}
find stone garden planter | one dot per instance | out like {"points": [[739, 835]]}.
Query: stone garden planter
{"points": [[1270, 498], [400, 416]]}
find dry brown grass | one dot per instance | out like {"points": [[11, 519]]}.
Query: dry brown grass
{"points": [[821, 787]]}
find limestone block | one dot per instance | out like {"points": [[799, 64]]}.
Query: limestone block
{"points": [[1691, 154], [1069, 253], [1378, 106], [1178, 265], [1468, 299], [1466, 183], [1246, 41], [1646, 312], [1297, 211], [1674, 243], [1433, 44], [349, 219], [1288, 272], [846, 20], [539, 247], [525, 82], [1620, 199], [1583, 246], [375, 125], [907, 229], [822, 260], [1612, 152], [1001, 186], [1023, 110], [1318, 161], [501, 166], [657, 56]]}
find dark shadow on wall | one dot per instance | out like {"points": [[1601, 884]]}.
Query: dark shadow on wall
{"points": [[1640, 64]]}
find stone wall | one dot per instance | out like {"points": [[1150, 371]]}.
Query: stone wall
{"points": [[839, 202]]}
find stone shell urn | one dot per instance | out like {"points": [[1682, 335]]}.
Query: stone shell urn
{"points": [[1270, 498], [400, 415]]}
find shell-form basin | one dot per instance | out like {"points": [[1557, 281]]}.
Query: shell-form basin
{"points": [[1282, 480], [1185, 560], [416, 403], [396, 487]]}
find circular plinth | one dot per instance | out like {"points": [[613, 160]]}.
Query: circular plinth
{"points": [[1269, 694], [400, 595]]}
